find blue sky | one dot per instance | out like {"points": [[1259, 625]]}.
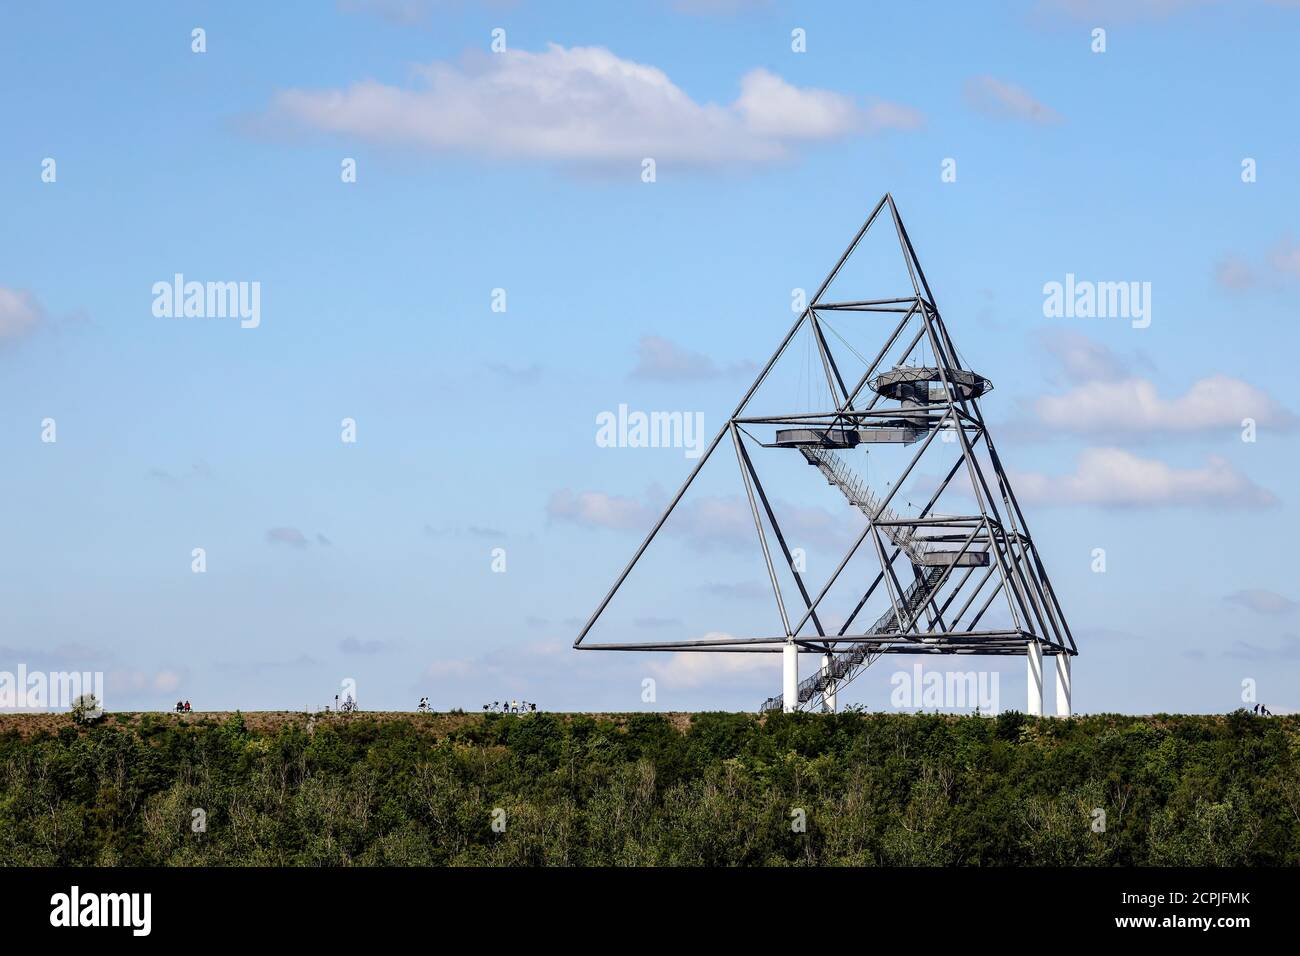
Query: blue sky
{"points": [[522, 171]]}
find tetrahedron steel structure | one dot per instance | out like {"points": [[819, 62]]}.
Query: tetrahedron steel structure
{"points": [[936, 574]]}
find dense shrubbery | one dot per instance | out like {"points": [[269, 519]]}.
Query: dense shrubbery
{"points": [[875, 788]]}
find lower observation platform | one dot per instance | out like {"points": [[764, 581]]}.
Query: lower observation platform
{"points": [[846, 437]]}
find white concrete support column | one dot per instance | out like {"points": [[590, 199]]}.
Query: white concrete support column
{"points": [[1034, 670], [1063, 686], [828, 695], [790, 677]]}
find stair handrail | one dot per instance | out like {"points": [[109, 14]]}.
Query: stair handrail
{"points": [[860, 494], [842, 662]]}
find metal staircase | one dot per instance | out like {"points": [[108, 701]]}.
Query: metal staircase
{"points": [[847, 664], [838, 473]]}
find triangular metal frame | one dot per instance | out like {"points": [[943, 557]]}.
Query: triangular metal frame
{"points": [[921, 619]]}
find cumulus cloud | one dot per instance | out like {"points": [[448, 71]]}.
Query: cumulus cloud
{"points": [[691, 669], [1280, 266], [595, 509], [1113, 477], [1110, 399], [1079, 358], [772, 107], [659, 360], [1134, 406], [582, 105], [1288, 649], [1262, 601], [20, 314], [1002, 100]]}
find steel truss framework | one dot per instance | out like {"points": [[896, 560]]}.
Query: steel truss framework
{"points": [[940, 572]]}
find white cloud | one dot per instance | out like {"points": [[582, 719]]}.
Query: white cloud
{"points": [[1288, 649], [1262, 601], [595, 509], [1235, 274], [1133, 406], [1281, 265], [692, 669], [772, 107], [658, 359], [1285, 257], [166, 681], [582, 105], [707, 521], [20, 314], [1080, 358], [1002, 100], [1113, 477]]}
